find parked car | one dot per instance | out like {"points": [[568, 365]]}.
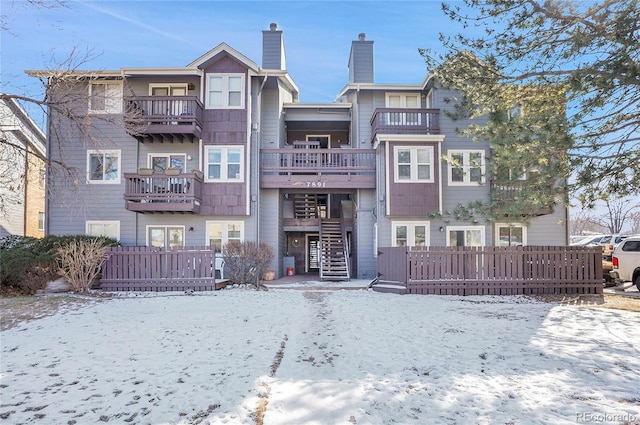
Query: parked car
{"points": [[610, 242], [589, 240], [626, 261], [576, 238]]}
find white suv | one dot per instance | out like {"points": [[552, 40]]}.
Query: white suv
{"points": [[626, 261]]}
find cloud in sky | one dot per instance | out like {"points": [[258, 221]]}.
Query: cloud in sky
{"points": [[162, 33], [137, 23]]}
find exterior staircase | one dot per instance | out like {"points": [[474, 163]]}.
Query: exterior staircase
{"points": [[334, 253], [305, 205]]}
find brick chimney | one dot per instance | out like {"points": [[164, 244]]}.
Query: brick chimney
{"points": [[273, 56], [361, 60]]}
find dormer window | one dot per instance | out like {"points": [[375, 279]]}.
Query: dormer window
{"points": [[225, 91]]}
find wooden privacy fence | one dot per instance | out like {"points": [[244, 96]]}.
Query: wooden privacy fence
{"points": [[141, 268], [493, 270]]}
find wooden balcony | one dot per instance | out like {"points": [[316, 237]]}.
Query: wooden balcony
{"points": [[164, 118], [505, 191], [405, 121], [161, 193], [318, 168]]}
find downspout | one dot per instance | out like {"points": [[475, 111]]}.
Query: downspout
{"points": [[26, 195], [137, 218], [47, 183]]}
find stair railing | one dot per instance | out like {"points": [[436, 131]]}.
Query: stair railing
{"points": [[345, 245], [321, 253]]}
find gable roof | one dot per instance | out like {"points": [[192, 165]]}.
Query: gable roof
{"points": [[18, 120], [221, 49]]}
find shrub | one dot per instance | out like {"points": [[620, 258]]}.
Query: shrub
{"points": [[245, 261], [28, 264], [80, 262]]}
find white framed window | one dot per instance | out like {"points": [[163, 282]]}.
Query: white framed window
{"points": [[225, 91], [220, 233], [106, 228], [410, 233], [402, 100], [105, 97], [465, 235], [413, 164], [103, 166], [159, 162], [510, 234], [466, 167], [509, 174], [165, 236], [42, 178], [41, 221], [224, 163]]}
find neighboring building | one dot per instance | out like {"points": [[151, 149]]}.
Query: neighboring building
{"points": [[22, 172], [223, 150]]}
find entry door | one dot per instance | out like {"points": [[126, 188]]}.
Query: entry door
{"points": [[173, 107], [313, 253]]}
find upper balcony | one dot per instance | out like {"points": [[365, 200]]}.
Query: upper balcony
{"points": [[505, 191], [318, 168], [162, 193], [405, 121], [164, 118]]}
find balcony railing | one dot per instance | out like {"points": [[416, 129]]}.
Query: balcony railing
{"points": [[163, 193], [405, 121], [504, 191], [164, 117], [317, 168]]}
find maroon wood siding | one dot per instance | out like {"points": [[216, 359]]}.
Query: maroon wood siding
{"points": [[224, 199], [413, 199], [226, 127]]}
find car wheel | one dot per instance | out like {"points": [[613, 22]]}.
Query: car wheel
{"points": [[638, 282]]}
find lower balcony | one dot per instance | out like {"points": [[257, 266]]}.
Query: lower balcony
{"points": [[161, 193], [318, 168]]}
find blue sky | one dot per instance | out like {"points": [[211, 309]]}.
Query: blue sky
{"points": [[317, 37], [135, 33]]}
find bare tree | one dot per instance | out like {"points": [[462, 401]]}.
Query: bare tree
{"points": [[585, 222], [66, 105], [38, 4], [634, 218], [619, 212]]}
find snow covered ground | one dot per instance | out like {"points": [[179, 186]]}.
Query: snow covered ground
{"points": [[296, 356]]}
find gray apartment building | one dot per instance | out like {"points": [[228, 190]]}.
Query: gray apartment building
{"points": [[222, 150]]}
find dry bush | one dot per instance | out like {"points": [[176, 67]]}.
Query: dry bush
{"points": [[246, 261], [80, 262]]}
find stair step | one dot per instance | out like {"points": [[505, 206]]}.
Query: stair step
{"points": [[333, 262]]}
